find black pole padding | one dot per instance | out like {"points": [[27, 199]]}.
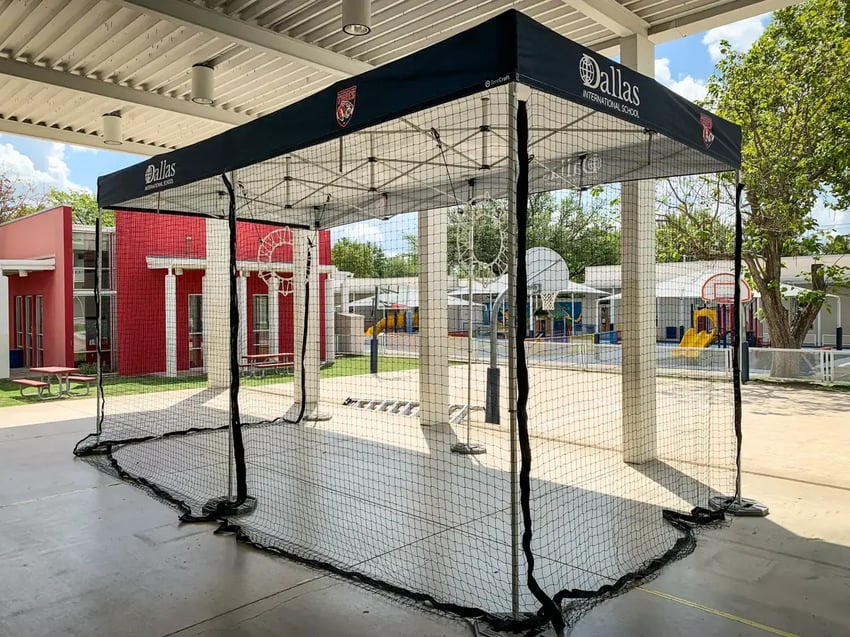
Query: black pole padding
{"points": [[373, 355], [745, 362], [839, 337], [491, 406]]}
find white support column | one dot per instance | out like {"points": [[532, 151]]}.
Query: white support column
{"points": [[344, 295], [242, 296], [171, 324], [217, 304], [4, 327], [433, 318], [274, 316], [204, 322], [330, 322], [638, 280], [309, 378]]}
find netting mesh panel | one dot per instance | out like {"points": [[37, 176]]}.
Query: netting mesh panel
{"points": [[367, 392], [158, 387], [626, 418], [369, 483]]}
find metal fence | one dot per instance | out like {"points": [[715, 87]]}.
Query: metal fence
{"points": [[823, 366]]}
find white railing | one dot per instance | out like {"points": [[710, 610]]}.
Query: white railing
{"points": [[808, 365]]}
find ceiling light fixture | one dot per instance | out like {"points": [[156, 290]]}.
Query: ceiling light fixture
{"points": [[112, 129], [202, 84], [357, 17]]}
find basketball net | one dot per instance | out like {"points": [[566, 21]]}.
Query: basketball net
{"points": [[547, 300]]}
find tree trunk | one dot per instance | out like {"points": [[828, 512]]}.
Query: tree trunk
{"points": [[785, 332]]}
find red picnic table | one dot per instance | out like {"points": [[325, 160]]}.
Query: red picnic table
{"points": [[257, 364], [63, 376]]}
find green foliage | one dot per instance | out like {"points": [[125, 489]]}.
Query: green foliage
{"points": [[791, 95], [694, 224], [581, 228], [84, 205], [361, 259], [367, 260], [18, 198]]}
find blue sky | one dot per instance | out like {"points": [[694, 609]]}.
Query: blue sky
{"points": [[684, 65]]}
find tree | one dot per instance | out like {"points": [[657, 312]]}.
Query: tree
{"points": [[84, 205], [404, 264], [791, 95], [364, 260], [18, 198], [694, 219], [581, 228]]}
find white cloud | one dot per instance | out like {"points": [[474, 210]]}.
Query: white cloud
{"points": [[687, 86], [83, 149], [364, 231], [829, 219], [20, 166], [741, 35]]}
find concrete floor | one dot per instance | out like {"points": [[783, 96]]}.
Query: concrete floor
{"points": [[83, 554]]}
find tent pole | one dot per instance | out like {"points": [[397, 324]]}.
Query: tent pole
{"points": [[98, 295], [513, 308]]}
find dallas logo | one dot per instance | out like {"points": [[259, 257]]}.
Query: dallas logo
{"points": [[609, 81], [161, 172], [345, 100], [707, 125]]}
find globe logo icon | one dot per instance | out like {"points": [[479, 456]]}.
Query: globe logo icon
{"points": [[588, 71], [592, 164], [149, 174]]}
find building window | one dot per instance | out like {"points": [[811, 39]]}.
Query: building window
{"points": [[196, 331], [85, 332], [39, 330], [28, 353], [19, 322], [85, 260], [261, 324]]}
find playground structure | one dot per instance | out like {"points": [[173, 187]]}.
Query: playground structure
{"points": [[394, 320], [697, 337]]}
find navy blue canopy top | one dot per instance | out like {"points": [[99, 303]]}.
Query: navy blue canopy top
{"points": [[402, 136]]}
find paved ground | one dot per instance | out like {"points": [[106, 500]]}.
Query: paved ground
{"points": [[85, 555]]}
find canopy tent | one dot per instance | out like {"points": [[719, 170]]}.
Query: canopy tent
{"points": [[685, 286], [499, 285], [407, 299], [506, 108], [294, 167]]}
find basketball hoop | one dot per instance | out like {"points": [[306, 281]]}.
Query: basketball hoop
{"points": [[720, 289], [547, 300]]}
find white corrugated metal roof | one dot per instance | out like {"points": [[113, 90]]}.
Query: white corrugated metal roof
{"points": [[64, 63]]}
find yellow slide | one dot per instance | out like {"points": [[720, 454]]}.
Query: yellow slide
{"points": [[394, 320], [380, 327], [693, 340]]}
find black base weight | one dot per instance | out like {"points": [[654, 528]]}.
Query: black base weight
{"points": [[743, 507], [468, 449]]}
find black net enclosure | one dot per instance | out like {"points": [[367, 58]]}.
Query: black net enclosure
{"points": [[497, 435]]}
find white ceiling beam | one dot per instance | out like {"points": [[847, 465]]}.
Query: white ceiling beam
{"points": [[224, 26], [717, 16], [611, 15], [117, 92], [714, 17], [76, 138]]}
